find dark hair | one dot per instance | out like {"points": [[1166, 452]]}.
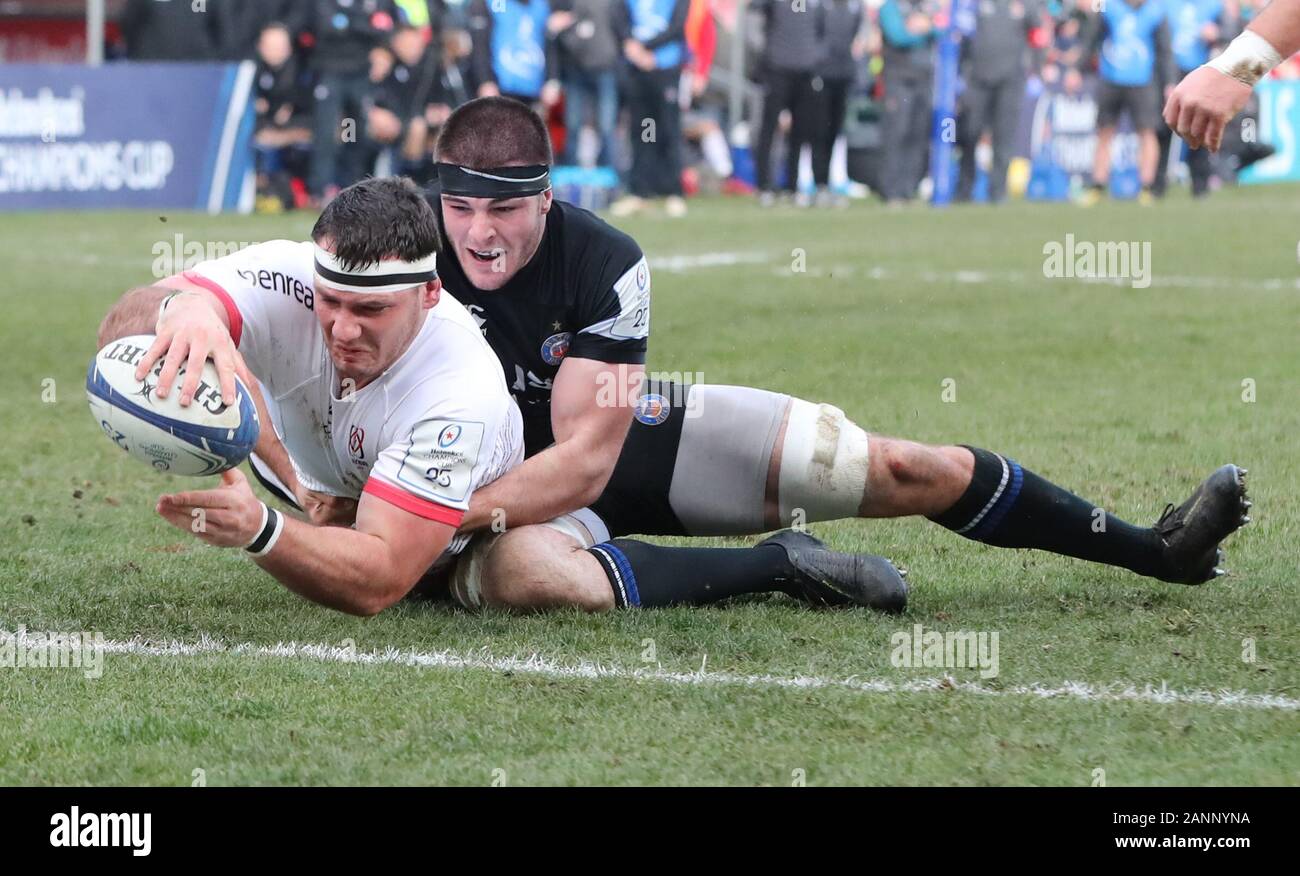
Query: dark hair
{"points": [[376, 219], [494, 132]]}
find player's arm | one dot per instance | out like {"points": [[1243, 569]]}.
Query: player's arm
{"points": [[1279, 23], [194, 326], [591, 410], [1204, 102], [361, 571]]}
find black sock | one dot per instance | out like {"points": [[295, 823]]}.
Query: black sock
{"points": [[648, 575], [1007, 506]]}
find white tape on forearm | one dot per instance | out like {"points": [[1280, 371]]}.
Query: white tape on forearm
{"points": [[1247, 59]]}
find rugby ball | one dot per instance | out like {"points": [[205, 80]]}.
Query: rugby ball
{"points": [[206, 438]]}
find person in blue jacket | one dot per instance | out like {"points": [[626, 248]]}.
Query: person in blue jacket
{"points": [[1134, 59]]}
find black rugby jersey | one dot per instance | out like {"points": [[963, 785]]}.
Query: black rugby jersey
{"points": [[585, 293]]}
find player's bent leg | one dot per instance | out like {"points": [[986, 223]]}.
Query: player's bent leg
{"points": [[906, 478], [532, 568]]}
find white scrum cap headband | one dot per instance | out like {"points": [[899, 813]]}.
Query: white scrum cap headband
{"points": [[384, 276]]}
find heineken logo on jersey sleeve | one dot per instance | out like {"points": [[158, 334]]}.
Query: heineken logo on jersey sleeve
{"points": [[439, 462]]}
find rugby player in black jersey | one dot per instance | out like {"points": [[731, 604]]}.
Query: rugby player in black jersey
{"points": [[563, 299]]}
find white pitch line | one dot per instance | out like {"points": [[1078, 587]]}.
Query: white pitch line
{"points": [[848, 272], [541, 666], [676, 264]]}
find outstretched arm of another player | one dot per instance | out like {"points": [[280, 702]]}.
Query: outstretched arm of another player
{"points": [[361, 571], [1204, 102], [591, 410]]}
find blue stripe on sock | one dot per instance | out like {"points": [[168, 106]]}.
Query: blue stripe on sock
{"points": [[624, 571], [629, 579], [992, 520]]}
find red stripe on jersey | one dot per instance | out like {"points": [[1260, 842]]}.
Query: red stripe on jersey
{"points": [[417, 505], [232, 312]]}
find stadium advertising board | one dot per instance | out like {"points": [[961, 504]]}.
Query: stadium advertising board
{"points": [[126, 135], [1279, 122]]}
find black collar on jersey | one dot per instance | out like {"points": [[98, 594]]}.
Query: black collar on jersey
{"points": [[494, 182]]}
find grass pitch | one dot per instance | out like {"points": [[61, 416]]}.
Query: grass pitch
{"points": [[1127, 395]]}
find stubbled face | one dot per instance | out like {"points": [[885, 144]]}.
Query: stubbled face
{"points": [[494, 238], [365, 332]]}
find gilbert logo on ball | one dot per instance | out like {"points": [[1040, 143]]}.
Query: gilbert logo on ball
{"points": [[206, 438]]}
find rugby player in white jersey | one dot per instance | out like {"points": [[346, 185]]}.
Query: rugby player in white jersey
{"points": [[388, 401]]}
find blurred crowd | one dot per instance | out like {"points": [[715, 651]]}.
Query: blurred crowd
{"points": [[346, 88]]}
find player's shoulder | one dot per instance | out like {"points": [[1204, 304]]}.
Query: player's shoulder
{"points": [[599, 258], [288, 255], [272, 264], [455, 320], [450, 372], [586, 236], [451, 358]]}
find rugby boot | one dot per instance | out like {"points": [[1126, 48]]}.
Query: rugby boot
{"points": [[1192, 532], [829, 578]]}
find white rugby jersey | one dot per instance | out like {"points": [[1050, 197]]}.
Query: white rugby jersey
{"points": [[423, 436]]}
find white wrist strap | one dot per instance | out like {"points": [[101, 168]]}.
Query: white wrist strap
{"points": [[278, 528], [267, 534], [266, 514], [1247, 59]]}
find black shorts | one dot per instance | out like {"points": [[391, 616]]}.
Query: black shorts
{"points": [[635, 501], [1141, 101]]}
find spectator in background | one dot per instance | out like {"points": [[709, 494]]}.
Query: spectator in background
{"points": [[1134, 60], [909, 32], [653, 36], [410, 101], [238, 24], [511, 54], [167, 30], [792, 34], [995, 66], [1193, 31], [282, 101], [842, 48], [588, 54], [701, 116], [345, 32]]}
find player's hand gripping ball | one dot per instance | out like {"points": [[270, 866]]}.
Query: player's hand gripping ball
{"points": [[206, 437]]}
